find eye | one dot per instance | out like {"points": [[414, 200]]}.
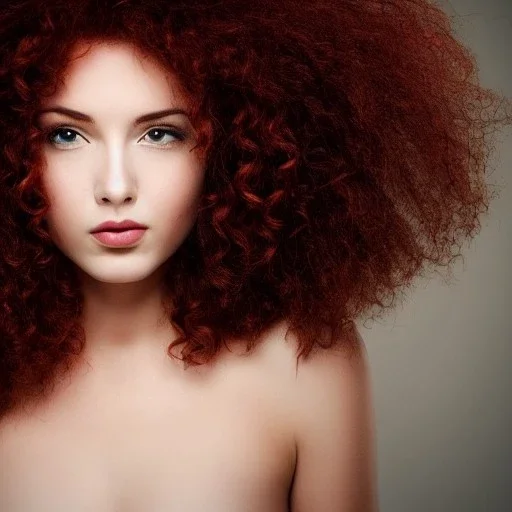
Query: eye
{"points": [[158, 135], [63, 136]]}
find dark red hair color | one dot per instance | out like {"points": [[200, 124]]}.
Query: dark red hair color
{"points": [[346, 143]]}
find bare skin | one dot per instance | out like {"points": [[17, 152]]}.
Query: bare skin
{"points": [[130, 429], [204, 439]]}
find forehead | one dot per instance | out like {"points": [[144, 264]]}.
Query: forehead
{"points": [[115, 72]]}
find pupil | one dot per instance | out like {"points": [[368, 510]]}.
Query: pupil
{"points": [[158, 132], [68, 133]]}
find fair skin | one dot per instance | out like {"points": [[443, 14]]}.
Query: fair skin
{"points": [[110, 169], [129, 430]]}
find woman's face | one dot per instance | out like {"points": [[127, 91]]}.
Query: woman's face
{"points": [[116, 167]]}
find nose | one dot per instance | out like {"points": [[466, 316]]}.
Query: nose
{"points": [[116, 183]]}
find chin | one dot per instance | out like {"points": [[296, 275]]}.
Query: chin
{"points": [[116, 276]]}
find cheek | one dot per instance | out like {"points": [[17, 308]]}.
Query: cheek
{"points": [[185, 198], [65, 204], [176, 213], [178, 207], [61, 180], [181, 190], [64, 212]]}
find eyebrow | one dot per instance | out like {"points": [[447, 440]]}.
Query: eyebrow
{"points": [[84, 117]]}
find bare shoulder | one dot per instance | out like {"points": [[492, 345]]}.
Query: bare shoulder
{"points": [[346, 361], [332, 411]]}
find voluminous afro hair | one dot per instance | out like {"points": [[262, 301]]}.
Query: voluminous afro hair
{"points": [[345, 144]]}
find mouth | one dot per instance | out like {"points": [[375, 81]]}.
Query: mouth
{"points": [[119, 237], [113, 230]]}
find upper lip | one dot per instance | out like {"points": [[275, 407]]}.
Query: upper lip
{"points": [[112, 225]]}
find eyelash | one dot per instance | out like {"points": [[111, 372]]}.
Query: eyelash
{"points": [[168, 130]]}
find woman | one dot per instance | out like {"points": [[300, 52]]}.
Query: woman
{"points": [[243, 180]]}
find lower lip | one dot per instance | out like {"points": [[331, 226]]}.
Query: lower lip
{"points": [[119, 238]]}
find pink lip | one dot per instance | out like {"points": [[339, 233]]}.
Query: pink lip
{"points": [[119, 238], [112, 225]]}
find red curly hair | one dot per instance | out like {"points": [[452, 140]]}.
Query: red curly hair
{"points": [[346, 143]]}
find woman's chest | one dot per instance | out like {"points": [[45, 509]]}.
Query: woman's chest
{"points": [[228, 449]]}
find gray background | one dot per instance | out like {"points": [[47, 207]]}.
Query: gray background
{"points": [[441, 362]]}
